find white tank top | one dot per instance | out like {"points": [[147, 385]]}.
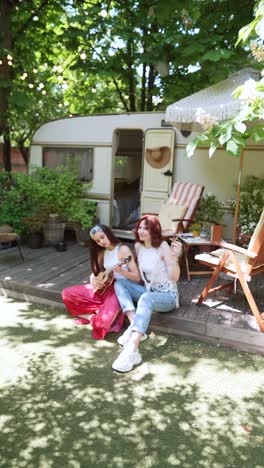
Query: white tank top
{"points": [[111, 259], [154, 272], [149, 257]]}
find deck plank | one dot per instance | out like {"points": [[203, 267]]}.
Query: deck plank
{"points": [[44, 269]]}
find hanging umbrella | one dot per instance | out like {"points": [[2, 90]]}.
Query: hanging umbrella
{"points": [[211, 105], [216, 101]]}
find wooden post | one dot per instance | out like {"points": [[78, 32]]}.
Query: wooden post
{"points": [[238, 197]]}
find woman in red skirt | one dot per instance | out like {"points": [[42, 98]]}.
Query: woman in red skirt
{"points": [[96, 302]]}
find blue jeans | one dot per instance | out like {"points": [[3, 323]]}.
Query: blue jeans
{"points": [[129, 293]]}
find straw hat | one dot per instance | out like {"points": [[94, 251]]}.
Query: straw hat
{"points": [[158, 157]]}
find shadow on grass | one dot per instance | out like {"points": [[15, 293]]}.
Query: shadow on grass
{"points": [[67, 408]]}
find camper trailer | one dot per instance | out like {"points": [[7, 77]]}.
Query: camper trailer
{"points": [[130, 161]]}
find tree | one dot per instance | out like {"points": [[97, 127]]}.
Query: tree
{"points": [[28, 45], [142, 51], [78, 57]]}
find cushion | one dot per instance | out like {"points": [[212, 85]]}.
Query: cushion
{"points": [[215, 257], [169, 212]]}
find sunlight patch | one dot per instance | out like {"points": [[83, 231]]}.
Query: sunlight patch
{"points": [[172, 460]]}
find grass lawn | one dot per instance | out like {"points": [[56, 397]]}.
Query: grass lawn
{"points": [[62, 406]]}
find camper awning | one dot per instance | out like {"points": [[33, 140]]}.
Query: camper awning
{"points": [[216, 101]]}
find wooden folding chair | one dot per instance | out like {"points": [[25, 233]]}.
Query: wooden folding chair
{"points": [[238, 263], [11, 238]]}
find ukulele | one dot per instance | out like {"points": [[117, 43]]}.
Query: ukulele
{"points": [[107, 276]]}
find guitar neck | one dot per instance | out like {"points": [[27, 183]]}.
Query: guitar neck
{"points": [[120, 263]]}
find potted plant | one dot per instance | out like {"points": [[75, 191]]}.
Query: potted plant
{"points": [[210, 213], [44, 201], [82, 215], [61, 192], [33, 229], [196, 229]]}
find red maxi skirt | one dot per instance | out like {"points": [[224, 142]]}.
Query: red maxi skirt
{"points": [[104, 309]]}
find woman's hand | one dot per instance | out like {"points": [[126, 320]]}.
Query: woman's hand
{"points": [[119, 269], [176, 249], [171, 256], [96, 282]]}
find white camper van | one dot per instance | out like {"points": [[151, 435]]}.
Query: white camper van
{"points": [[113, 155]]}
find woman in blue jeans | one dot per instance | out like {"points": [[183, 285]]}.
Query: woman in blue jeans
{"points": [[159, 270]]}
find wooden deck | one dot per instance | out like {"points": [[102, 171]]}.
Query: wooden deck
{"points": [[221, 320]]}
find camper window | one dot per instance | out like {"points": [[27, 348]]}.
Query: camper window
{"points": [[81, 158]]}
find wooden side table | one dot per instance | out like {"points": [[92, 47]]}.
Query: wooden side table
{"points": [[188, 240]]}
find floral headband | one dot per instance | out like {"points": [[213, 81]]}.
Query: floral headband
{"points": [[95, 229]]}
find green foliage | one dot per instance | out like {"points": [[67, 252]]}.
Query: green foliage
{"points": [[216, 55], [20, 195], [210, 210], [251, 203], [69, 59], [27, 200], [233, 134], [83, 212], [196, 227]]}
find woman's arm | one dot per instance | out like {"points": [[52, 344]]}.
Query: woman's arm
{"points": [[96, 283], [132, 273], [171, 257]]}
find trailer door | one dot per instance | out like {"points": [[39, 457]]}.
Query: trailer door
{"points": [[157, 168]]}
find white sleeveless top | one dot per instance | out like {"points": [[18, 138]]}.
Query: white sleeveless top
{"points": [[111, 259], [154, 273], [147, 258]]}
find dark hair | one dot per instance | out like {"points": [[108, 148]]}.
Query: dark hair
{"points": [[153, 226], [95, 248]]}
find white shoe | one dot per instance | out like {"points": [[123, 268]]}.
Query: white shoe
{"points": [[126, 360], [123, 339]]}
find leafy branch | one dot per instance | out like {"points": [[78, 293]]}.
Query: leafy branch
{"points": [[233, 134]]}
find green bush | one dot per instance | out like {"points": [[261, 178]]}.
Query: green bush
{"points": [[210, 210], [27, 200], [83, 212], [251, 203], [19, 196]]}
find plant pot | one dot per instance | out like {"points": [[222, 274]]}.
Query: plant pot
{"points": [[83, 235], [53, 231], [216, 232], [35, 240], [204, 234], [61, 247], [195, 233]]}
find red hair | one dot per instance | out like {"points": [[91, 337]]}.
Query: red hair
{"points": [[154, 228]]}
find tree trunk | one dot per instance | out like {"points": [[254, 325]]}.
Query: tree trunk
{"points": [[143, 89], [24, 151], [131, 79], [7, 152], [5, 77], [151, 79]]}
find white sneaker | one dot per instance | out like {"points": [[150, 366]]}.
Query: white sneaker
{"points": [[124, 339], [126, 360]]}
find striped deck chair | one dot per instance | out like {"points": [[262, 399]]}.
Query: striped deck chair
{"points": [[237, 263], [180, 208]]}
